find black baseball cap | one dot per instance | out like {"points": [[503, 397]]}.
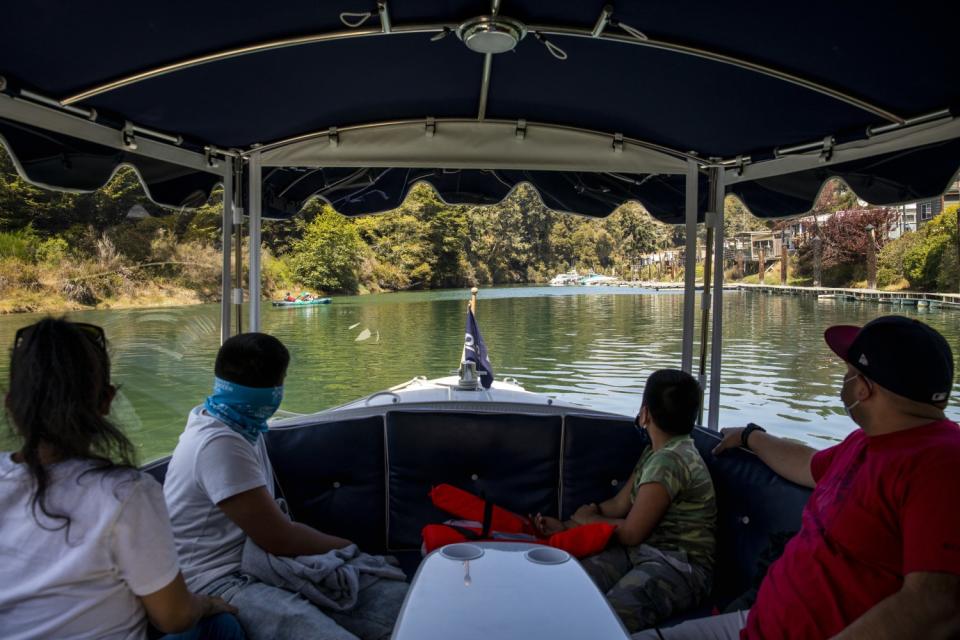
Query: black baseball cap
{"points": [[902, 355]]}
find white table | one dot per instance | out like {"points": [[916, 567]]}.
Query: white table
{"points": [[504, 595]]}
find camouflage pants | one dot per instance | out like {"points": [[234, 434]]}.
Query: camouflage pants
{"points": [[645, 585]]}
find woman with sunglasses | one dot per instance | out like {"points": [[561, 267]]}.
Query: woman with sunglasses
{"points": [[86, 549]]}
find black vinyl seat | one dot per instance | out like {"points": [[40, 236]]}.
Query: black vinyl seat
{"points": [[368, 479], [333, 477], [512, 460], [599, 454]]}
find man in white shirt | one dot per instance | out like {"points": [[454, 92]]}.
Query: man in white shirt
{"points": [[219, 491]]}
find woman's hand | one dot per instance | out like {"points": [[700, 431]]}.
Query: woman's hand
{"points": [[586, 514], [213, 605], [545, 526]]}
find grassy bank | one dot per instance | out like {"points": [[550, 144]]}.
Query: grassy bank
{"points": [[91, 272]]}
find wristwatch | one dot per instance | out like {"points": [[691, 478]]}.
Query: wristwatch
{"points": [[745, 434]]}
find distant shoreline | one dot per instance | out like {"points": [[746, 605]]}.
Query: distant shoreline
{"points": [[161, 296]]}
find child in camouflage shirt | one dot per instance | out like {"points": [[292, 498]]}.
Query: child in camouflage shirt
{"points": [[665, 514]]}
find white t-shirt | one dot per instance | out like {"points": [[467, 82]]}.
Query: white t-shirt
{"points": [[85, 586], [211, 463]]}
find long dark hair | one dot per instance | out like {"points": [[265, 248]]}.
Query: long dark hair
{"points": [[59, 392]]}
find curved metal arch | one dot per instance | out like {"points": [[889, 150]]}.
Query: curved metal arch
{"points": [[577, 32], [439, 121], [741, 63], [237, 52]]}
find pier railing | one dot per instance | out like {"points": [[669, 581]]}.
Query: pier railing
{"points": [[902, 298]]}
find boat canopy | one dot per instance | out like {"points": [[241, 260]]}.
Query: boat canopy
{"points": [[593, 104]]}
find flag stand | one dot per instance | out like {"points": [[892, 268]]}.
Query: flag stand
{"points": [[475, 369]]}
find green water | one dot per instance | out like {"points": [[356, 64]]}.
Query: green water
{"points": [[591, 346]]}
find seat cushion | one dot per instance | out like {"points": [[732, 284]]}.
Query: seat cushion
{"points": [[512, 460], [599, 454], [332, 475], [754, 504], [157, 469]]}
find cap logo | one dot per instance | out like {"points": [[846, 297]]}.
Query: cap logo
{"points": [[939, 397], [863, 360]]}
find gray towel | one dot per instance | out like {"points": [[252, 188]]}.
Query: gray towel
{"points": [[331, 580]]}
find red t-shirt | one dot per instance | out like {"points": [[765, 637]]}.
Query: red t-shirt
{"points": [[883, 507]]}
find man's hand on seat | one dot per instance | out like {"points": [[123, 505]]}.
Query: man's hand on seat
{"points": [[788, 459], [731, 439]]}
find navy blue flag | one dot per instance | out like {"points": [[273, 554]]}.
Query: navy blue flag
{"points": [[474, 350]]}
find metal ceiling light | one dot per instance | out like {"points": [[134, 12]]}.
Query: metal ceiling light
{"points": [[491, 34]]}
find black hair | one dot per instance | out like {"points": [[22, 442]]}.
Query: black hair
{"points": [[253, 360], [672, 397], [59, 392]]}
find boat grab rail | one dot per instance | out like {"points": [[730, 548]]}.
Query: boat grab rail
{"points": [[396, 397]]}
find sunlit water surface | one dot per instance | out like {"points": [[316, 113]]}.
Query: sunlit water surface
{"points": [[593, 346]]}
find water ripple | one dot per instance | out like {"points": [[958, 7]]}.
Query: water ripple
{"points": [[594, 347]]}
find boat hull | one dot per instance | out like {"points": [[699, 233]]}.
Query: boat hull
{"points": [[309, 303]]}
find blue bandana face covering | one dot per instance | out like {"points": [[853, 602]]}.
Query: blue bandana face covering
{"points": [[243, 409]]}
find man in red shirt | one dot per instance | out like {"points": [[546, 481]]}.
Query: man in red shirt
{"points": [[878, 552]]}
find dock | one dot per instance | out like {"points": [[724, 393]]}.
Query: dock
{"points": [[894, 298]]}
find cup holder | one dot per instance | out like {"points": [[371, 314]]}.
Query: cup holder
{"points": [[547, 555], [461, 552]]}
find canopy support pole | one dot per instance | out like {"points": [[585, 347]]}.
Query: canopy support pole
{"points": [[690, 267], [705, 296], [226, 235], [237, 298], [716, 348], [253, 217]]}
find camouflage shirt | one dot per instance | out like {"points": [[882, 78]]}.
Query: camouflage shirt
{"points": [[690, 522]]}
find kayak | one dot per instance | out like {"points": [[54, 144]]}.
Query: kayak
{"points": [[301, 303]]}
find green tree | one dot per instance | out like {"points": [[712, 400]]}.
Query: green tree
{"points": [[447, 233], [500, 242], [930, 262], [635, 232], [738, 219], [327, 256], [399, 249]]}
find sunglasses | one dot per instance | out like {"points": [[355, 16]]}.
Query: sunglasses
{"points": [[94, 333]]}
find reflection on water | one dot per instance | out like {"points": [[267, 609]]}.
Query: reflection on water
{"points": [[591, 346]]}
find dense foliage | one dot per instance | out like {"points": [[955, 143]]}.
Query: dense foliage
{"points": [[928, 258], [114, 246]]}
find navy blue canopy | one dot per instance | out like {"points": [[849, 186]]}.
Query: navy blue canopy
{"points": [[891, 62]]}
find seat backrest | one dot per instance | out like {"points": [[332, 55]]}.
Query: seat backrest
{"points": [[510, 459], [599, 454], [368, 479], [157, 469], [332, 475], [753, 504]]}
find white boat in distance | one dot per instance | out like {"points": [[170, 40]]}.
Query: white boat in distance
{"points": [[565, 279]]}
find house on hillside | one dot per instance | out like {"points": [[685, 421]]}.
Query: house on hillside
{"points": [[750, 244]]}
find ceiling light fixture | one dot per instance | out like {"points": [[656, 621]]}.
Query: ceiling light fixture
{"points": [[491, 34]]}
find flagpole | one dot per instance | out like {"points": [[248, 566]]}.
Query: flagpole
{"points": [[471, 306]]}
